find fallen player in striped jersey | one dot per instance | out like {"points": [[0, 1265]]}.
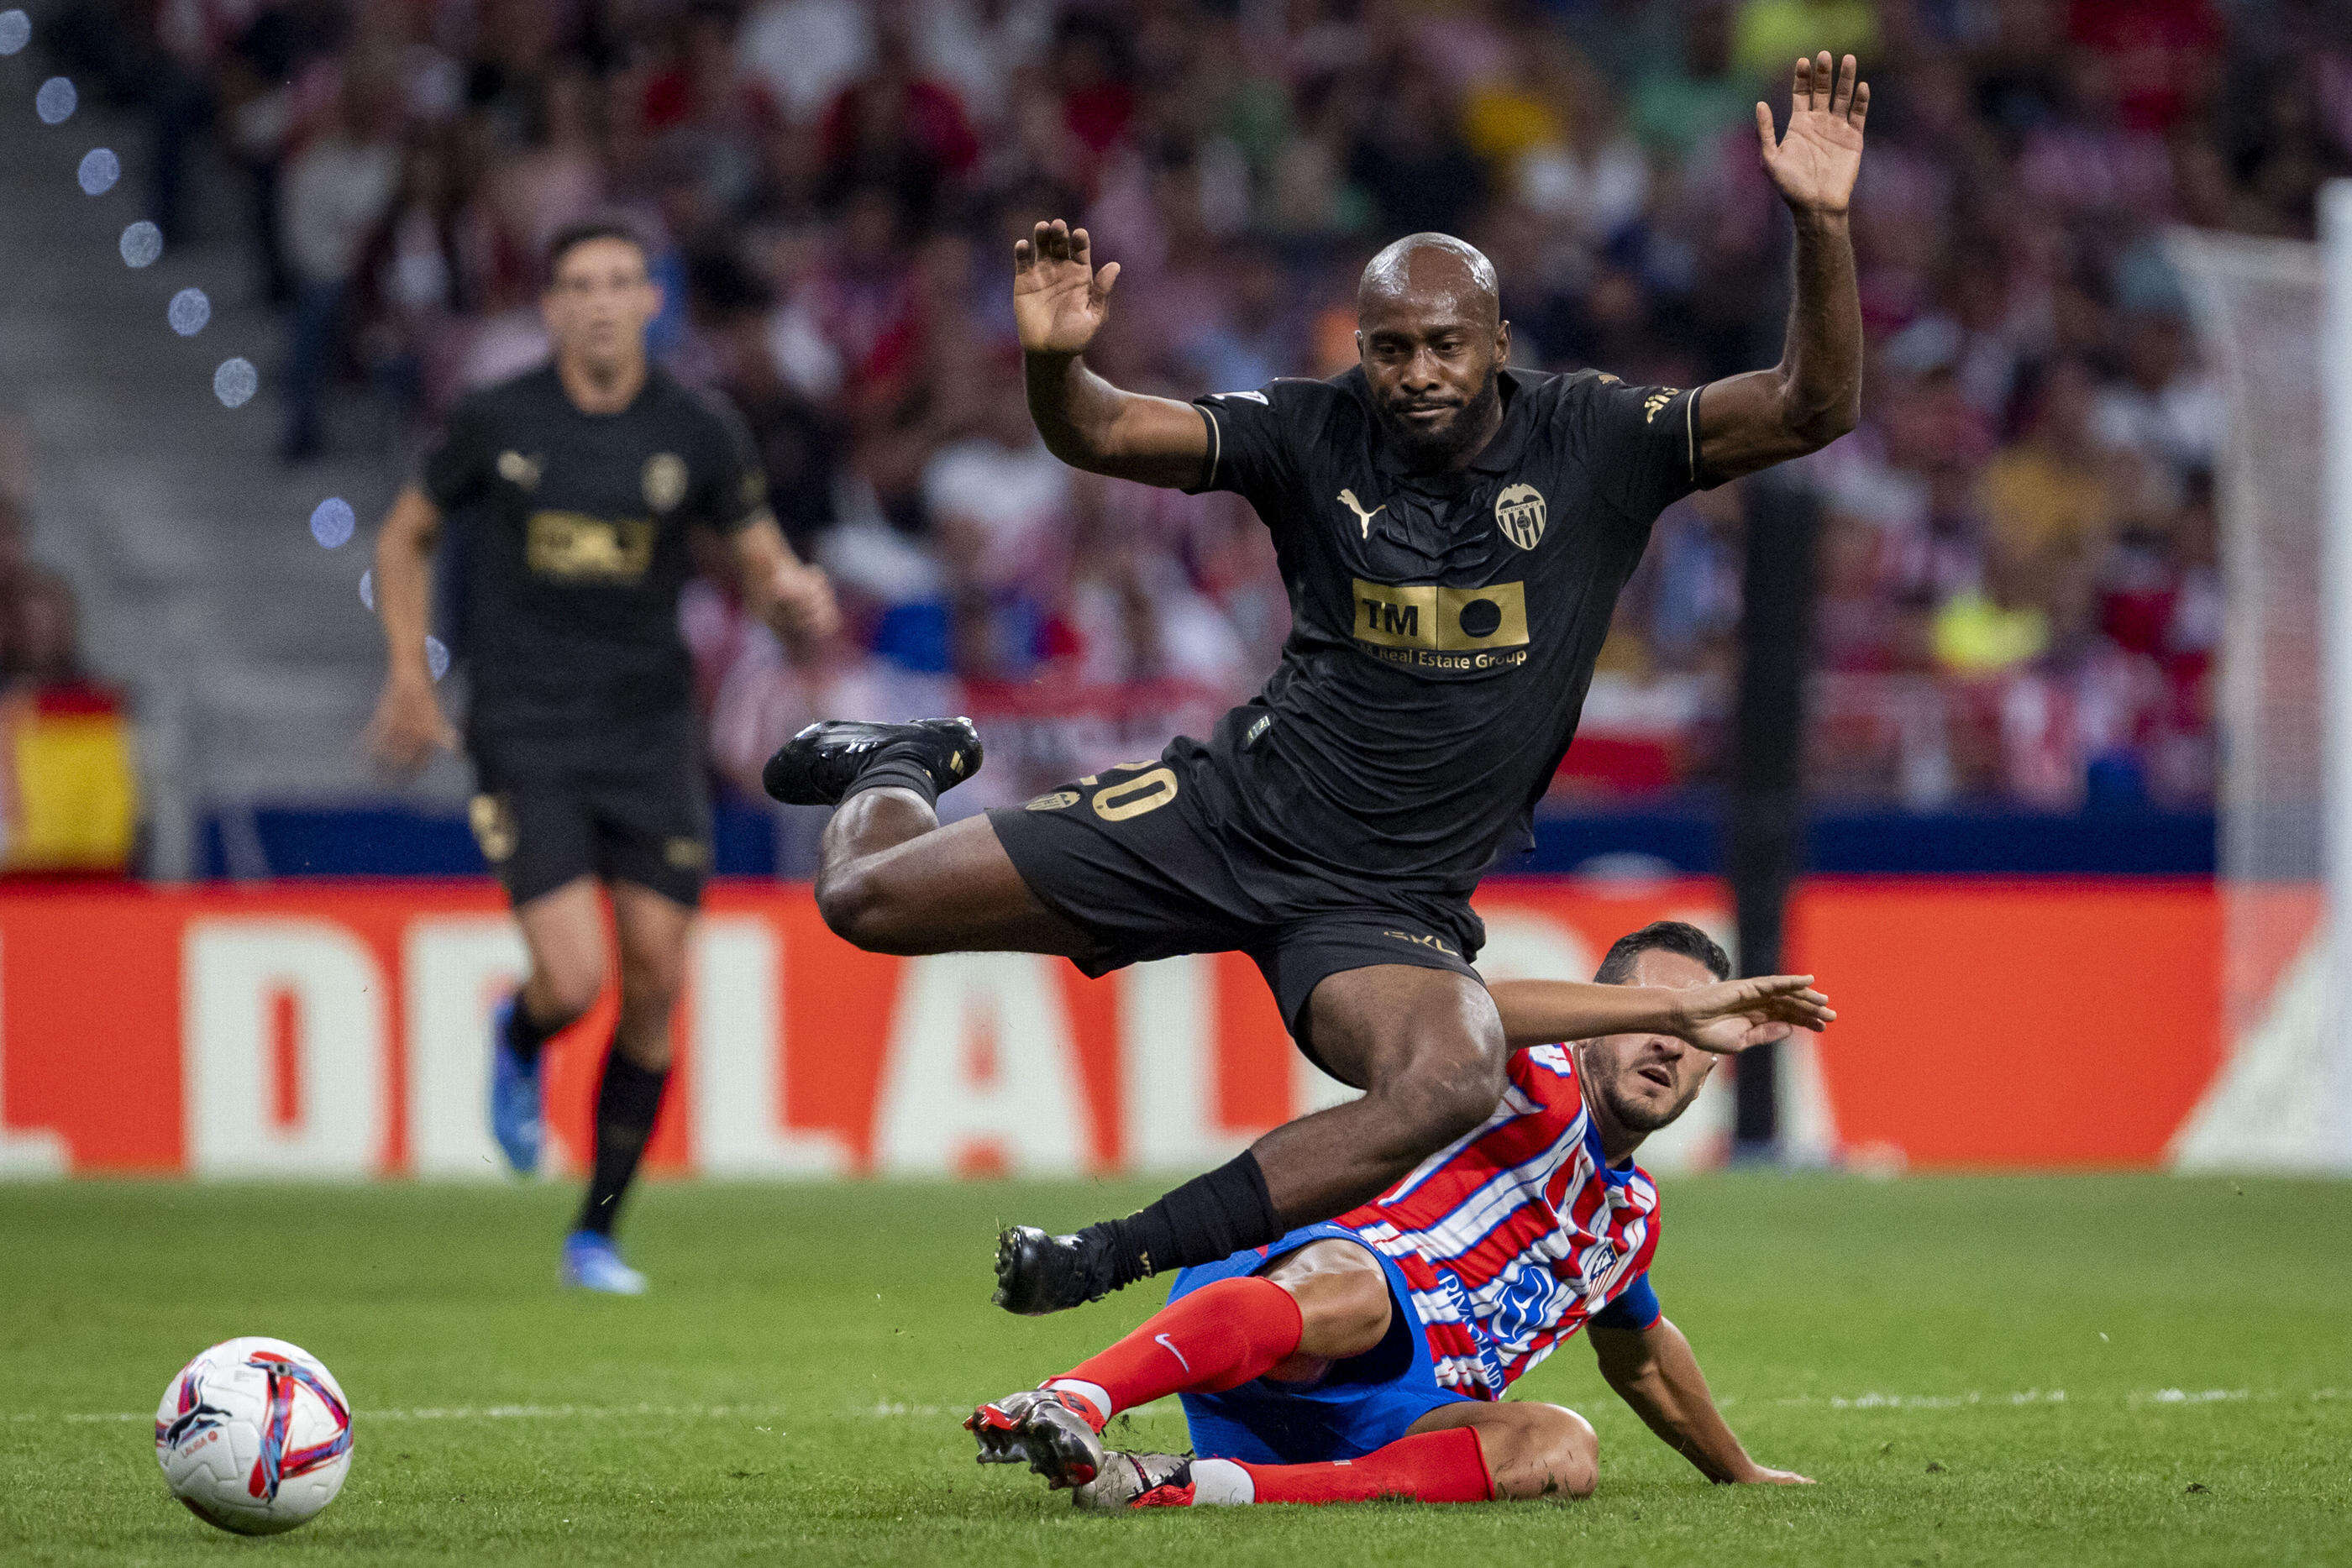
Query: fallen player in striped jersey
{"points": [[1368, 1357]]}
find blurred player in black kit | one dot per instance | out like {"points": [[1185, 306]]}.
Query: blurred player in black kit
{"points": [[569, 490], [1454, 533]]}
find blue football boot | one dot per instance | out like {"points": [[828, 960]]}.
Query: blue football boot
{"points": [[590, 1262], [516, 1117]]}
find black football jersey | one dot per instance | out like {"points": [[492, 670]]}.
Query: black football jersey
{"points": [[1443, 626], [571, 529]]}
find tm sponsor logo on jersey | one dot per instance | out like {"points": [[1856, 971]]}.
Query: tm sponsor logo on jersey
{"points": [[576, 547], [1430, 626]]}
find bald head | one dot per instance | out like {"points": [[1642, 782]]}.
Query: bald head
{"points": [[1431, 334], [1430, 268]]}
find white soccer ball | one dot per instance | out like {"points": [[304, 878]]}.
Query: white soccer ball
{"points": [[254, 1436]]}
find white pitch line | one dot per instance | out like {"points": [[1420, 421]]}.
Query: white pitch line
{"points": [[891, 1410], [472, 1413], [565, 1412], [2052, 1396], [1929, 1401]]}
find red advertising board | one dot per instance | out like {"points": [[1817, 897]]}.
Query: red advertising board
{"points": [[340, 1029]]}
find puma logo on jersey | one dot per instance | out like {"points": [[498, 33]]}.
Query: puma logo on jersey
{"points": [[1347, 499], [519, 470], [1656, 401]]}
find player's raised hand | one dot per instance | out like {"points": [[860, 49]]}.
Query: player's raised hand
{"points": [[1730, 1016], [1059, 300], [1814, 163], [408, 728]]}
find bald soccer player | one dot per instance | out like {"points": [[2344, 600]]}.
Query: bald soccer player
{"points": [[1454, 533]]}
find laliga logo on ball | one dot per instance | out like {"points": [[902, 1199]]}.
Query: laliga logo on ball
{"points": [[254, 1436]]}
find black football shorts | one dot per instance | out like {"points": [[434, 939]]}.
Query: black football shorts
{"points": [[543, 820], [1145, 861]]}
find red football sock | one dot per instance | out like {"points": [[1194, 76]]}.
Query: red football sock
{"points": [[1435, 1467], [1219, 1337]]}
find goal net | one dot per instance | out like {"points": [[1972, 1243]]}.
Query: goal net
{"points": [[2270, 320]]}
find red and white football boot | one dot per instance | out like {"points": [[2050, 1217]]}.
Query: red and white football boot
{"points": [[1125, 1481], [1060, 1435]]}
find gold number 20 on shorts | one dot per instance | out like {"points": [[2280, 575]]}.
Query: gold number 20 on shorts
{"points": [[1133, 796]]}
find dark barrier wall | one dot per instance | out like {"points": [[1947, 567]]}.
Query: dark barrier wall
{"points": [[1683, 838]]}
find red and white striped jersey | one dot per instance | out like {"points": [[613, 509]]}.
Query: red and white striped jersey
{"points": [[1514, 1235]]}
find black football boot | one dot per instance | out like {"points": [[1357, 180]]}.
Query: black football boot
{"points": [[1037, 1274], [816, 767]]}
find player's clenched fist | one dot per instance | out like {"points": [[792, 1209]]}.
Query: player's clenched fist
{"points": [[1059, 300], [408, 726]]}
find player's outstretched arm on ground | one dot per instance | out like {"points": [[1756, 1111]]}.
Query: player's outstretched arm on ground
{"points": [[1059, 303], [408, 725], [1814, 394], [794, 598], [1654, 1371], [1726, 1017]]}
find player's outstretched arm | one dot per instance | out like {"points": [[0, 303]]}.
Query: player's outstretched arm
{"points": [[1654, 1372], [1726, 1017], [1814, 394], [408, 725], [1059, 303]]}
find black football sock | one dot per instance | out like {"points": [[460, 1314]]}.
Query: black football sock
{"points": [[626, 1102], [1207, 1219], [898, 765], [525, 1035]]}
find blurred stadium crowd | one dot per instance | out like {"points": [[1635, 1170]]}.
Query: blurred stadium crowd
{"points": [[68, 800], [2019, 597]]}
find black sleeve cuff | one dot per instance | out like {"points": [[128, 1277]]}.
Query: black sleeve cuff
{"points": [[1216, 451]]}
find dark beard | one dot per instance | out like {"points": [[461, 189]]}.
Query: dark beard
{"points": [[1635, 1119], [1426, 453]]}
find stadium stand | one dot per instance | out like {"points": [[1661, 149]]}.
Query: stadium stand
{"points": [[2020, 600]]}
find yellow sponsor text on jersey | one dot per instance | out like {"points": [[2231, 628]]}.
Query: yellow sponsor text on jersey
{"points": [[1445, 620], [576, 547]]}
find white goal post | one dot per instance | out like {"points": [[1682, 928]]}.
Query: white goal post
{"points": [[2276, 319]]}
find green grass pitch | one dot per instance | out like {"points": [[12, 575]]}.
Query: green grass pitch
{"points": [[2084, 1371]]}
